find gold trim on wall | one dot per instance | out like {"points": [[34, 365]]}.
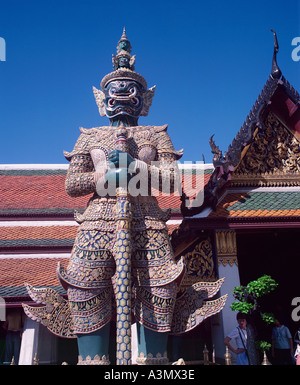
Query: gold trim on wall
{"points": [[228, 261], [226, 243], [226, 247]]}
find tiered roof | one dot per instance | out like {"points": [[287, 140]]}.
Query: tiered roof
{"points": [[256, 183]]}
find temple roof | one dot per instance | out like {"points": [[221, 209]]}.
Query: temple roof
{"points": [[37, 269], [278, 96], [270, 133], [256, 183], [36, 192], [244, 209], [33, 191], [259, 203], [39, 235]]}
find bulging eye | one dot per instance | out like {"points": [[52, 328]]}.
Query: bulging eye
{"points": [[132, 91], [135, 101]]}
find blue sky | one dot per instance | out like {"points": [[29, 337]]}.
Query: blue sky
{"points": [[208, 59]]}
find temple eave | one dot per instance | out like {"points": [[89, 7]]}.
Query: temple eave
{"points": [[242, 223]]}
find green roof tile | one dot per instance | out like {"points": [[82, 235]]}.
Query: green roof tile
{"points": [[36, 242], [33, 172], [16, 291], [267, 201]]}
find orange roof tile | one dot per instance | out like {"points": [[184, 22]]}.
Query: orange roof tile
{"points": [[38, 232], [259, 204], [47, 192], [34, 192], [38, 271], [42, 236]]}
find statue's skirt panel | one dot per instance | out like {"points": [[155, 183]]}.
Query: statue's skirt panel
{"points": [[89, 279]]}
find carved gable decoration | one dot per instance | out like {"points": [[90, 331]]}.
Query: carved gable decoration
{"points": [[199, 263], [272, 159]]}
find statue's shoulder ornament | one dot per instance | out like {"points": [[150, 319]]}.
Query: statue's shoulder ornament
{"points": [[88, 138], [163, 128], [164, 143]]}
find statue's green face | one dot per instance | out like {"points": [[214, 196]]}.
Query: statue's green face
{"points": [[123, 45], [123, 62], [123, 97]]}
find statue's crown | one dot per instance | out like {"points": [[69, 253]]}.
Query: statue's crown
{"points": [[123, 64]]}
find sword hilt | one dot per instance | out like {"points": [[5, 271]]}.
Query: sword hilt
{"points": [[122, 139]]}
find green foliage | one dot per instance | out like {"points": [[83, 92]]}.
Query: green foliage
{"points": [[247, 296], [262, 286], [268, 318], [239, 293], [248, 302], [263, 345], [242, 307]]}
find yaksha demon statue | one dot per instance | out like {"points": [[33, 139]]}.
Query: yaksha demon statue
{"points": [[122, 262]]}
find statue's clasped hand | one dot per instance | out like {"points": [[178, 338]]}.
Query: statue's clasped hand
{"points": [[120, 159], [119, 166]]}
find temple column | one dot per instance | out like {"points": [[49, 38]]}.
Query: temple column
{"points": [[29, 344], [226, 257], [37, 340]]}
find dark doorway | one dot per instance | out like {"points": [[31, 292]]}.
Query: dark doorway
{"points": [[190, 345], [275, 253]]}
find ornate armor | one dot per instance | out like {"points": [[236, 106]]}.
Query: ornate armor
{"points": [[89, 277]]}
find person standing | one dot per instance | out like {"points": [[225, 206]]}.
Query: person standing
{"points": [[239, 335], [282, 344], [3, 332], [297, 350], [13, 336]]}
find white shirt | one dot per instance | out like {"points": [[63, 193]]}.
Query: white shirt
{"points": [[238, 334]]}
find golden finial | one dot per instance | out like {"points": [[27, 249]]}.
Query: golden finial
{"points": [[227, 357], [205, 355], [35, 359]]}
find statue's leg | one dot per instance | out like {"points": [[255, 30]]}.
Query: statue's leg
{"points": [[151, 344], [156, 278], [93, 347], [90, 293], [91, 316], [153, 310]]}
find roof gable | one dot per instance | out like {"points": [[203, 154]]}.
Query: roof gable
{"points": [[272, 159]]}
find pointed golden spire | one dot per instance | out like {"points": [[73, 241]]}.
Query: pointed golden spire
{"points": [[124, 37], [124, 43], [123, 64]]}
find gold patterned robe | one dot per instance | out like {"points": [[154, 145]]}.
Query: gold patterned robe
{"points": [[89, 277]]}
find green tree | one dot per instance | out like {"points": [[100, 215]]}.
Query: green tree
{"points": [[247, 298], [248, 302]]}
